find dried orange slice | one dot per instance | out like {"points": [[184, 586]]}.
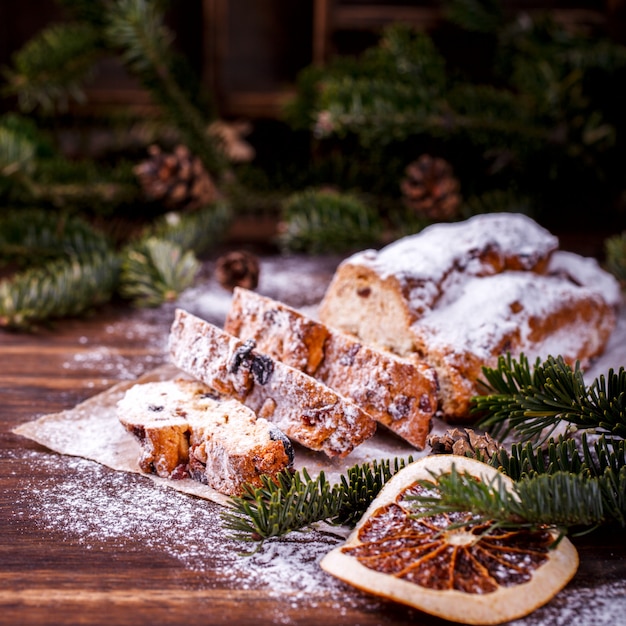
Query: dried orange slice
{"points": [[435, 564]]}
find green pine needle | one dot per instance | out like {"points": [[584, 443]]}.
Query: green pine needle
{"points": [[156, 271], [296, 501], [615, 252], [51, 68], [62, 288], [560, 500], [534, 402], [136, 28], [320, 221]]}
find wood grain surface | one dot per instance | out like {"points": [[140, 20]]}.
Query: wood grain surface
{"points": [[57, 566]]}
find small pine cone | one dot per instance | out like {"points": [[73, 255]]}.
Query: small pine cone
{"points": [[178, 179], [237, 269], [464, 442], [430, 189]]}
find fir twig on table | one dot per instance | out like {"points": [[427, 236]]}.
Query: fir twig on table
{"points": [[295, 501], [534, 402], [560, 500]]}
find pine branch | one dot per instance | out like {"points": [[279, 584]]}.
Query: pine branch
{"points": [[297, 501], [561, 455], [559, 500], [482, 16], [317, 221], [361, 484], [156, 271], [17, 154], [199, 230], [163, 263], [64, 287], [136, 28], [50, 69], [615, 252], [33, 236], [276, 509], [533, 402]]}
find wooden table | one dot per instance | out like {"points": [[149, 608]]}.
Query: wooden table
{"points": [[82, 544]]}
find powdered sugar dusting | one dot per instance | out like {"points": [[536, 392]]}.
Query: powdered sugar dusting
{"points": [[100, 509], [95, 507]]}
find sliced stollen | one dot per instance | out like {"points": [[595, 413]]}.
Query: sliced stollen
{"points": [[306, 410], [399, 393], [186, 430]]}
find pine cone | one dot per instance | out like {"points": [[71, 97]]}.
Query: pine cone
{"points": [[177, 179], [464, 442], [430, 188], [237, 269]]}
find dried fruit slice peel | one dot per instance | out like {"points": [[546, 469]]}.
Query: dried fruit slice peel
{"points": [[453, 573]]}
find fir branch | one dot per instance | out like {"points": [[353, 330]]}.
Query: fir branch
{"points": [[33, 236], [156, 271], [615, 253], [481, 16], [295, 500], [136, 27], [50, 69], [199, 230], [533, 402], [318, 221], [361, 484], [64, 287], [278, 508], [17, 154], [163, 263], [559, 500]]}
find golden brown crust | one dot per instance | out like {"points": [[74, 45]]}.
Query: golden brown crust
{"points": [[398, 393], [306, 410]]}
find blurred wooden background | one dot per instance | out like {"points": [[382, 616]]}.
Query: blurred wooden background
{"points": [[249, 52]]}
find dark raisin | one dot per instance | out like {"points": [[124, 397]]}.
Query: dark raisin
{"points": [[155, 407], [262, 368], [242, 355], [313, 416], [197, 469], [278, 435], [139, 432], [363, 292], [400, 407], [424, 403], [270, 315], [211, 395]]}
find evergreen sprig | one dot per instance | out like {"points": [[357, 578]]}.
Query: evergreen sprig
{"points": [[534, 401], [615, 252], [33, 236], [163, 262], [137, 29], [156, 271], [63, 287], [320, 221], [198, 230], [50, 70], [560, 500], [295, 500]]}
